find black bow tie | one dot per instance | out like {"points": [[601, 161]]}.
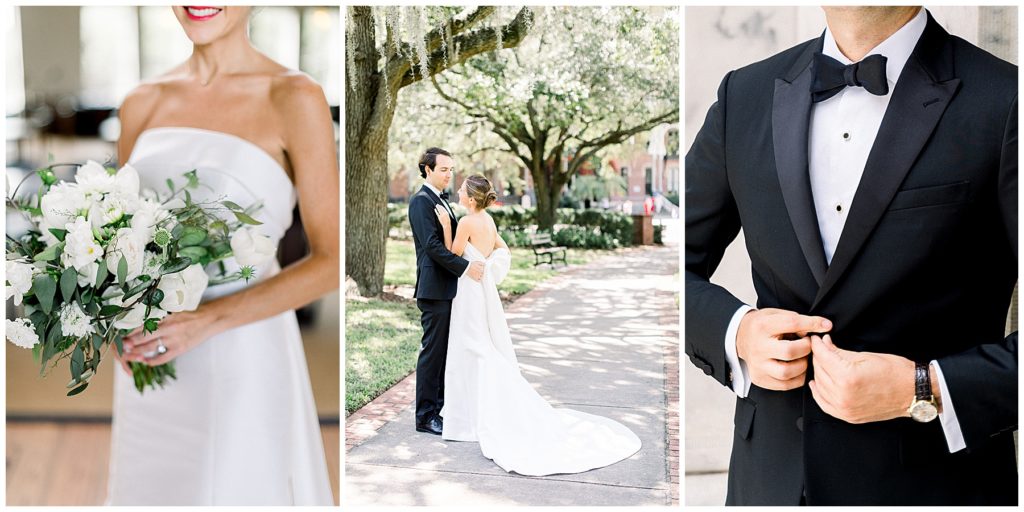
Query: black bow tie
{"points": [[444, 196], [831, 76]]}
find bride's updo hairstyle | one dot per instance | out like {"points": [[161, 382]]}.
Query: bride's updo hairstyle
{"points": [[479, 189]]}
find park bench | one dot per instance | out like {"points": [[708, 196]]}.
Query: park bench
{"points": [[543, 247]]}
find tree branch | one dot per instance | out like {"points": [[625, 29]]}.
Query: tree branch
{"points": [[469, 44]]}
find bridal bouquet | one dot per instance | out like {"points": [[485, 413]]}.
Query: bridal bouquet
{"points": [[104, 257]]}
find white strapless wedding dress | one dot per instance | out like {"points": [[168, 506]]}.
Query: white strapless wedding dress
{"points": [[487, 399], [238, 426]]}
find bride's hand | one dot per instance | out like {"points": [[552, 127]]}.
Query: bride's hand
{"points": [[442, 216], [179, 332]]}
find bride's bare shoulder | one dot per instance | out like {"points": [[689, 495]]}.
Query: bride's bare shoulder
{"points": [[295, 94]]}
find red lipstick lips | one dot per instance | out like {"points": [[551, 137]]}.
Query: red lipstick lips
{"points": [[201, 12]]}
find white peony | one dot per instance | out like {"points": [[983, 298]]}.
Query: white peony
{"points": [[136, 315], [147, 215], [80, 248], [132, 247], [126, 181], [183, 290], [252, 248], [21, 333], [61, 205], [94, 179], [19, 279], [73, 321]]}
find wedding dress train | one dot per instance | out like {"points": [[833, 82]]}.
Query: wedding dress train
{"points": [[487, 399], [238, 426]]}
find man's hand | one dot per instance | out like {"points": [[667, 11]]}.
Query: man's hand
{"points": [[773, 360], [476, 271], [861, 387]]}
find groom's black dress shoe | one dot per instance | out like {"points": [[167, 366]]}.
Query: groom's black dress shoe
{"points": [[434, 426]]}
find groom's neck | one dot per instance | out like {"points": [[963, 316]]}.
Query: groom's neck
{"points": [[857, 30]]}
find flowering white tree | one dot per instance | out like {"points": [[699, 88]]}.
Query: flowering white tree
{"points": [[591, 78], [388, 48]]}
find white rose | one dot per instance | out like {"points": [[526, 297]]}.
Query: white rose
{"points": [[21, 333], [94, 179], [136, 315], [132, 247], [183, 290], [74, 322], [252, 248], [61, 205], [19, 279], [80, 248]]}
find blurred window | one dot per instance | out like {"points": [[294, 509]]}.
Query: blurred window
{"points": [[14, 69], [162, 44], [321, 49], [109, 54]]}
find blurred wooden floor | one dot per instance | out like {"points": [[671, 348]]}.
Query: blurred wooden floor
{"points": [[65, 463]]}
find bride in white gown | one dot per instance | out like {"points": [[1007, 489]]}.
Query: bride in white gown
{"points": [[238, 426], [487, 400]]}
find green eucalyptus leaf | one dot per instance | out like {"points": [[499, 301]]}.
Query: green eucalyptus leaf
{"points": [[170, 184], [79, 389], [59, 233], [119, 344], [97, 342], [192, 236], [137, 289], [77, 363], [154, 297], [122, 270], [232, 206], [101, 273], [175, 265], [68, 283], [194, 253], [50, 253], [110, 310], [246, 219], [44, 288]]}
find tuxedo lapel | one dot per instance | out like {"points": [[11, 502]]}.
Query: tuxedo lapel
{"points": [[437, 201], [925, 88], [791, 114]]}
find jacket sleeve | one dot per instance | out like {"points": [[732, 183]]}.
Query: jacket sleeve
{"points": [[428, 231], [982, 381], [712, 222]]}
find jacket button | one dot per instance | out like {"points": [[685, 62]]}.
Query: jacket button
{"points": [[800, 423]]}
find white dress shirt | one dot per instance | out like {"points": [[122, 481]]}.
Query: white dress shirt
{"points": [[446, 207], [841, 133]]}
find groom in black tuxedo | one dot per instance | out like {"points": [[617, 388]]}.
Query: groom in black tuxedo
{"points": [[873, 171], [437, 275]]}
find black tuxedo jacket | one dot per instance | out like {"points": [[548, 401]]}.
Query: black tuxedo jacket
{"points": [[437, 268], [924, 269]]}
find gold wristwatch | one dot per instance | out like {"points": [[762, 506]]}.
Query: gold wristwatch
{"points": [[923, 409]]}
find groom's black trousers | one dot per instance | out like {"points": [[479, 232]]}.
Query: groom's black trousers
{"points": [[436, 318]]}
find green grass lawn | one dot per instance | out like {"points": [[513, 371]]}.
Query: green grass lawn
{"points": [[382, 338], [381, 342]]}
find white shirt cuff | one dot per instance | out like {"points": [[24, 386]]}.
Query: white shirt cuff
{"points": [[738, 375], [950, 426]]}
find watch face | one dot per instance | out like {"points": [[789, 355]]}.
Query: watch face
{"points": [[923, 411]]}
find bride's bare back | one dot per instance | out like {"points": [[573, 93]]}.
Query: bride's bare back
{"points": [[483, 233]]}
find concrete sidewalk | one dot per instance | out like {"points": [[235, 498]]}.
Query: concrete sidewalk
{"points": [[595, 338]]}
